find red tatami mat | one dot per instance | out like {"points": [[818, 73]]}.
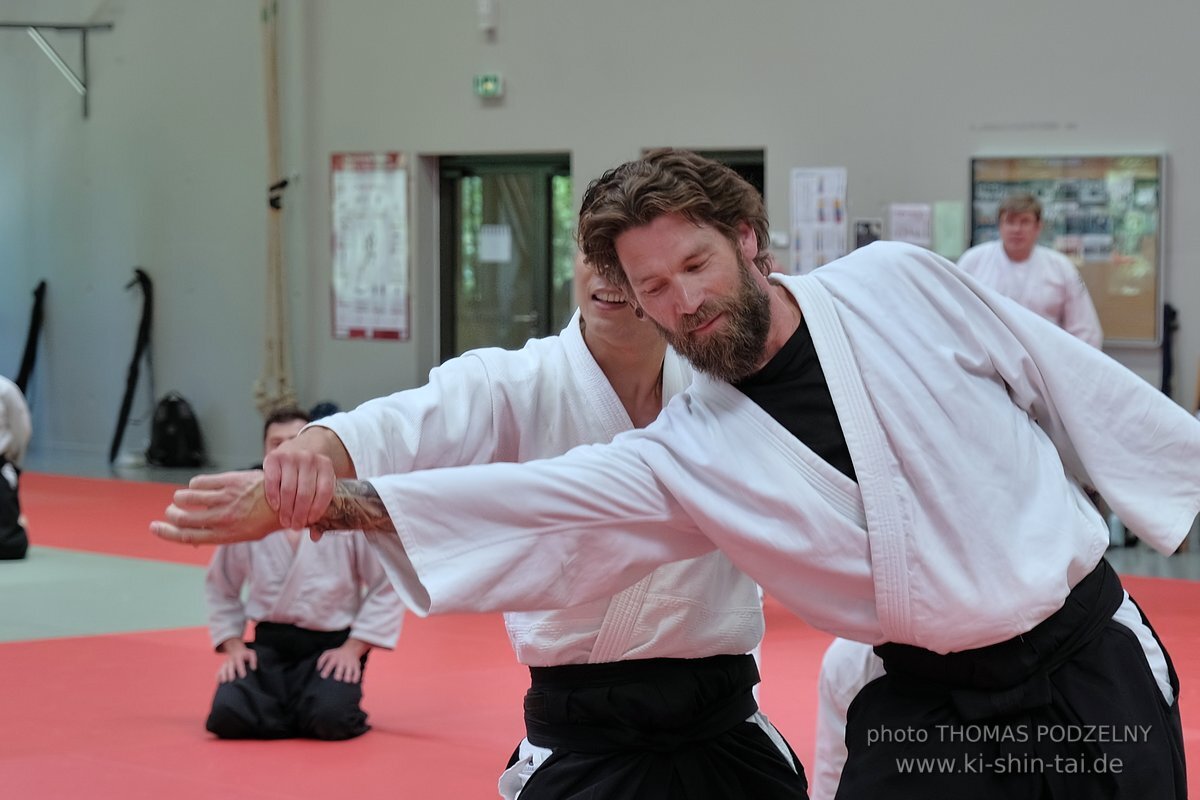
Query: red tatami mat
{"points": [[121, 716]]}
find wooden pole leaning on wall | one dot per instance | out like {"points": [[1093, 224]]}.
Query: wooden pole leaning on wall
{"points": [[1196, 406], [273, 389]]}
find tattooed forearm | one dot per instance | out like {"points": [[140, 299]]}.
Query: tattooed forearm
{"points": [[355, 506]]}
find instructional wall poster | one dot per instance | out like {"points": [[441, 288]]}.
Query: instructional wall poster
{"points": [[369, 194], [818, 217]]}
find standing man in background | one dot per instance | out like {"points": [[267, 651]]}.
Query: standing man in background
{"points": [[318, 608], [15, 432], [1043, 280]]}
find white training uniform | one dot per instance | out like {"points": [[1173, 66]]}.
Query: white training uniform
{"points": [[329, 585], [845, 669], [954, 401], [493, 405], [15, 427], [1046, 283]]}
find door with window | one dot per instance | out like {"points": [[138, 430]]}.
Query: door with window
{"points": [[507, 248]]}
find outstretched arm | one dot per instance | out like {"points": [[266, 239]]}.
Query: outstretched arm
{"points": [[546, 534], [232, 507]]}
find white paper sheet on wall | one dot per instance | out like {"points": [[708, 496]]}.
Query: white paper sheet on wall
{"points": [[911, 222]]}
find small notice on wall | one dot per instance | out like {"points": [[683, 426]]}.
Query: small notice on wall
{"points": [[949, 228], [818, 217], [369, 194], [911, 222]]}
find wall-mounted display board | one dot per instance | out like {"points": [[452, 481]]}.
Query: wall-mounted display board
{"points": [[1104, 213], [369, 199]]}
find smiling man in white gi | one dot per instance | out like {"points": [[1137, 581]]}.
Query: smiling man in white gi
{"points": [[894, 451]]}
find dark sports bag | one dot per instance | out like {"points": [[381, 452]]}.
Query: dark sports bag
{"points": [[175, 434]]}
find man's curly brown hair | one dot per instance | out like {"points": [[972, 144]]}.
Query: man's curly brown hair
{"points": [[667, 181]]}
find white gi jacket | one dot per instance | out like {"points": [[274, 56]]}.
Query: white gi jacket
{"points": [[15, 428], [494, 405], [960, 410], [328, 585], [1046, 283]]}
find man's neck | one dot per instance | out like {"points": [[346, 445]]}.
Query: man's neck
{"points": [[1013, 258], [634, 370], [785, 319]]}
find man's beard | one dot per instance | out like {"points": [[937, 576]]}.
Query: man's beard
{"points": [[732, 352]]}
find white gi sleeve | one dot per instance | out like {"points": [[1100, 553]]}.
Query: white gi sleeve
{"points": [[450, 420], [15, 426], [1112, 429], [227, 573], [379, 616], [545, 534]]}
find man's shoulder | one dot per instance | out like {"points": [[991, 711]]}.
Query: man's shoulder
{"points": [[881, 262], [500, 362], [978, 252], [1049, 255]]}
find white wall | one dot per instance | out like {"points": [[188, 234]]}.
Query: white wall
{"points": [[169, 172]]}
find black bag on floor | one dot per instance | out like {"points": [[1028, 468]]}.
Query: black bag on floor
{"points": [[175, 434], [13, 541]]}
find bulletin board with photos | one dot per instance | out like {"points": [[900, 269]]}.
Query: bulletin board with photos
{"points": [[1102, 212]]}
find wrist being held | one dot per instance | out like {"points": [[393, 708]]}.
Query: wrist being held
{"points": [[355, 505]]}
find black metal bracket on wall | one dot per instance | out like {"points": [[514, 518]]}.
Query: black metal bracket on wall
{"points": [[78, 82]]}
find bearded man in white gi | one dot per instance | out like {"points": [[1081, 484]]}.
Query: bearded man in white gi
{"points": [[1039, 278], [894, 451], [15, 433], [318, 609]]}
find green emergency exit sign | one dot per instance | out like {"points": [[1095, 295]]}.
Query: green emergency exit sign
{"points": [[489, 84]]}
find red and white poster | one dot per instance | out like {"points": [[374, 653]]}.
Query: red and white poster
{"points": [[369, 197]]}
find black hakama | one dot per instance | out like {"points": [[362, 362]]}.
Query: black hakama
{"points": [[655, 728], [286, 697], [1070, 709]]}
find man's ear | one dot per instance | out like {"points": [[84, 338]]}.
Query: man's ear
{"points": [[747, 241]]}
